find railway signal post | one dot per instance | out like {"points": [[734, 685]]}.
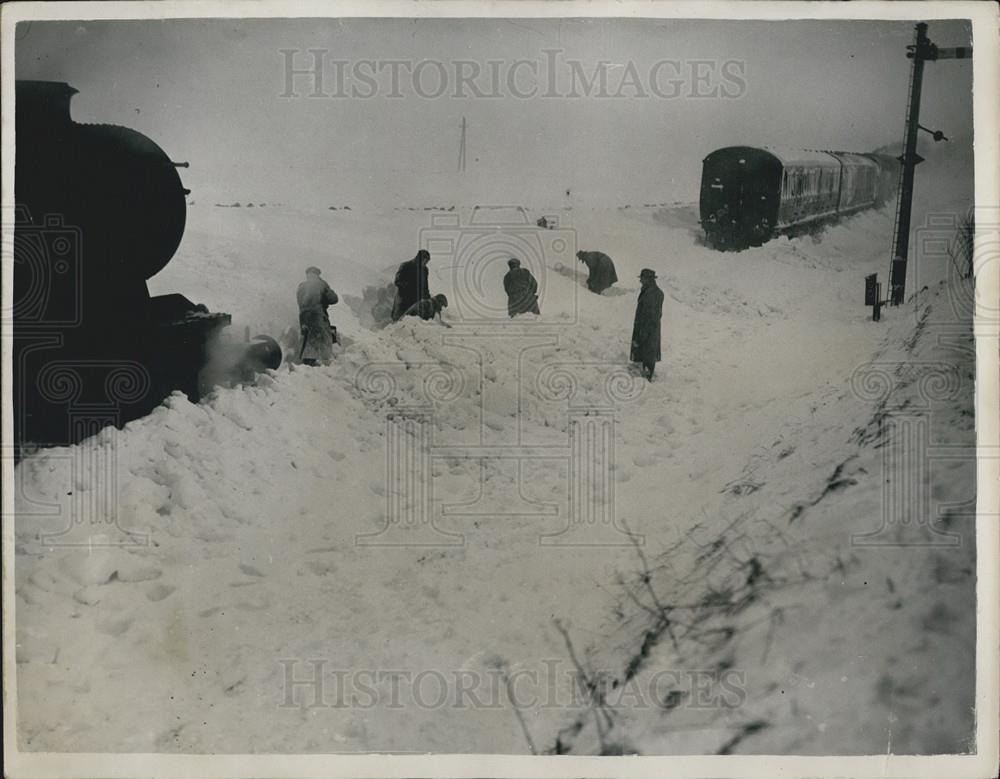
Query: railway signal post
{"points": [[922, 50]]}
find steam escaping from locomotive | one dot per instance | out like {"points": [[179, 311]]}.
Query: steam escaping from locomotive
{"points": [[100, 210], [750, 195]]}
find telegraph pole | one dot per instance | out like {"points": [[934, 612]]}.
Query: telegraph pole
{"points": [[921, 51]]}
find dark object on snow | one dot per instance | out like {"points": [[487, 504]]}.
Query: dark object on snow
{"points": [[314, 296], [263, 354], [411, 283], [602, 270], [100, 209], [428, 308], [521, 289], [646, 330]]}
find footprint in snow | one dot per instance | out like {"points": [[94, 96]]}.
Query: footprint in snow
{"points": [[158, 592], [114, 627], [87, 596]]}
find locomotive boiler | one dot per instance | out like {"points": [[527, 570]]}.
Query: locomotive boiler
{"points": [[749, 195], [100, 209]]}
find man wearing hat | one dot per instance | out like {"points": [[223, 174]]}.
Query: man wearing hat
{"points": [[411, 284], [521, 289], [314, 296], [646, 330]]}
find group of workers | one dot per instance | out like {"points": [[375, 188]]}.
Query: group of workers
{"points": [[413, 298]]}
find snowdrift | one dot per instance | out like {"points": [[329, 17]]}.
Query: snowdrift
{"points": [[204, 563]]}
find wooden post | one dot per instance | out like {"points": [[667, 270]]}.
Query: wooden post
{"points": [[922, 50], [909, 159]]}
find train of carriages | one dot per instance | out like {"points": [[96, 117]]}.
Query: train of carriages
{"points": [[100, 209], [749, 195]]}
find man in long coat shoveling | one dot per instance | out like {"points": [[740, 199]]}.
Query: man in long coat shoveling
{"points": [[411, 284], [314, 296], [646, 330], [601, 270]]}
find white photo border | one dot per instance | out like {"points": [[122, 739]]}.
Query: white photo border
{"points": [[986, 79]]}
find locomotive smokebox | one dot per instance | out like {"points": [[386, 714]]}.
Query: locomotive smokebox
{"points": [[113, 182], [100, 210]]}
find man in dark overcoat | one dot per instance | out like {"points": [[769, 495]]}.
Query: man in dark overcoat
{"points": [[521, 288], [602, 270], [411, 284], [646, 330]]}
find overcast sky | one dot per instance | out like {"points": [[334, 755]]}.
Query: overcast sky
{"points": [[214, 93]]}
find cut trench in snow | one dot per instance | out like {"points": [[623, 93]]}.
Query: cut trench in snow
{"points": [[266, 509]]}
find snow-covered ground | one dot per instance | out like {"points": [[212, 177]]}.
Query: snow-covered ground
{"points": [[745, 467]]}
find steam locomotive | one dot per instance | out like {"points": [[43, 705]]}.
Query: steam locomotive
{"points": [[749, 195], [99, 210]]}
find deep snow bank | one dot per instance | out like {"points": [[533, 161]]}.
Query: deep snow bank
{"points": [[828, 604], [257, 508]]}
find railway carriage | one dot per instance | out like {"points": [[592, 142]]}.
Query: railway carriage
{"points": [[749, 195]]}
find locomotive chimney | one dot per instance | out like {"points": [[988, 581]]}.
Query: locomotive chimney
{"points": [[43, 103]]}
